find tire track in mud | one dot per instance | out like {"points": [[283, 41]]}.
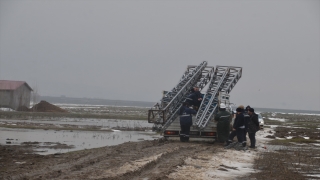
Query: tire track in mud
{"points": [[132, 160], [82, 164], [161, 167]]}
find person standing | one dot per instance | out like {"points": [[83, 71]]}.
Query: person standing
{"points": [[223, 119], [239, 127], [185, 121], [238, 130], [246, 120], [253, 127], [195, 98]]}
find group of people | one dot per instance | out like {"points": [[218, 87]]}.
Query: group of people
{"points": [[245, 122]]}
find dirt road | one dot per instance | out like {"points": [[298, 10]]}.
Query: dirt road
{"points": [[133, 160], [154, 159]]}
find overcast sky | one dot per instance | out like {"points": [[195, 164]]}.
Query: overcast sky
{"points": [[132, 50]]}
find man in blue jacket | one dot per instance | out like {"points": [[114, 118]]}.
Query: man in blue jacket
{"points": [[185, 121], [195, 98], [238, 129]]}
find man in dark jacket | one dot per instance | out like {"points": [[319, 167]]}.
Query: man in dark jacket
{"points": [[223, 119], [185, 121], [246, 120], [253, 127], [237, 130], [239, 126], [195, 98]]}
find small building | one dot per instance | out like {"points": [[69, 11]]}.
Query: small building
{"points": [[14, 94]]}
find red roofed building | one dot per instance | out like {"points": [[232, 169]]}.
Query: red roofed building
{"points": [[14, 94]]}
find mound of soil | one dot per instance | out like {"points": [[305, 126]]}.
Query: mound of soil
{"points": [[44, 106]]}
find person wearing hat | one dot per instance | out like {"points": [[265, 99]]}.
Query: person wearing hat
{"points": [[185, 121], [238, 129], [247, 108], [223, 119], [253, 127]]}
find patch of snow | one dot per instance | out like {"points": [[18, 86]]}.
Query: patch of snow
{"points": [[278, 119], [308, 114], [313, 175], [225, 164], [306, 137], [6, 109], [289, 137], [115, 130], [20, 162], [273, 126]]}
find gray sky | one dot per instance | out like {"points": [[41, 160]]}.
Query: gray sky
{"points": [[132, 50]]}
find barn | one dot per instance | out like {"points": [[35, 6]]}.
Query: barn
{"points": [[14, 94]]}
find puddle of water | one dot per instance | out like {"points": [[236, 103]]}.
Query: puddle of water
{"points": [[90, 122], [79, 139]]}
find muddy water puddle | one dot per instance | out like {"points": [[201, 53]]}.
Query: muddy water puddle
{"points": [[51, 141], [90, 122]]}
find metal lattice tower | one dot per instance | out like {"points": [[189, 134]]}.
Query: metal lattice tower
{"points": [[205, 78], [224, 79], [172, 100]]}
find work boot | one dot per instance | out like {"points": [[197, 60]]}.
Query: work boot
{"points": [[228, 142], [244, 144], [182, 139], [186, 139], [241, 146], [231, 145]]}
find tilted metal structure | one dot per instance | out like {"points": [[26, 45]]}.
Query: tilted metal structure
{"points": [[205, 78], [172, 100], [223, 79]]}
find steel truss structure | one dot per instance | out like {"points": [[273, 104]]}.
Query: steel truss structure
{"points": [[223, 79], [172, 100]]}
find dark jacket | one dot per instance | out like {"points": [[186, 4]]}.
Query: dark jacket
{"points": [[192, 99], [223, 116], [253, 124], [239, 122], [246, 119], [185, 116]]}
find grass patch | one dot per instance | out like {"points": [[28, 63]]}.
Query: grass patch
{"points": [[272, 122], [294, 140], [291, 161]]}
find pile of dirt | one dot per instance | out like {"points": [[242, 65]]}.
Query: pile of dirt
{"points": [[44, 106]]}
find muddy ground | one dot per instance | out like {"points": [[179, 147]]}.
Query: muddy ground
{"points": [[133, 160], [155, 159], [288, 148]]}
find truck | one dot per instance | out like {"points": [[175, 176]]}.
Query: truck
{"points": [[216, 83]]}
